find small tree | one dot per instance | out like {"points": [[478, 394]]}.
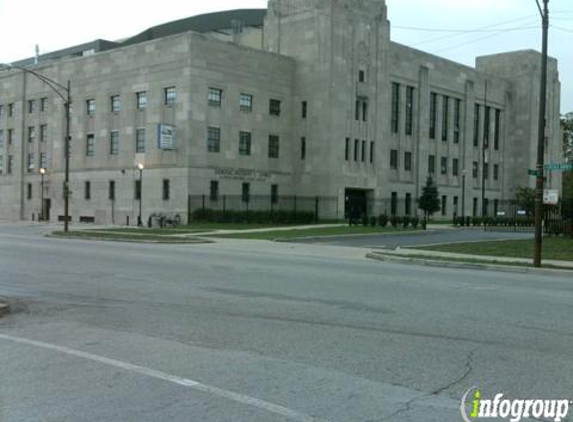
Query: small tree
{"points": [[525, 198], [429, 201], [567, 126]]}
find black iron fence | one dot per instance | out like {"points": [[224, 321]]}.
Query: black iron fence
{"points": [[263, 209], [515, 216]]}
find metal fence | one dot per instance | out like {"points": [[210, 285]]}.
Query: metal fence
{"points": [[519, 217]]}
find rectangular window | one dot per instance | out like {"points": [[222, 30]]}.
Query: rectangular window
{"points": [[90, 106], [246, 192], [476, 124], [114, 142], [304, 109], [408, 161], [475, 207], [409, 110], [496, 172], [444, 204], [408, 204], [497, 129], [456, 202], [486, 171], [364, 110], [11, 110], [215, 97], [431, 164], [361, 76], [111, 190], [90, 145], [169, 95], [1, 164], [371, 151], [10, 136], [141, 100], [394, 203], [43, 133], [457, 120], [246, 102], [165, 194], [214, 190], [363, 151], [1, 138], [115, 103], [273, 146], [140, 141], [475, 170], [1, 111], [395, 115], [445, 117], [43, 104], [87, 190], [486, 124], [394, 159], [10, 164], [347, 149], [43, 160], [274, 194], [274, 107], [244, 143], [31, 134], [356, 142], [433, 114], [303, 148], [29, 191], [137, 190], [444, 165], [455, 167], [31, 164], [31, 106], [213, 139]]}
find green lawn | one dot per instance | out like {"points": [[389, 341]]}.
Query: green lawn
{"points": [[325, 231], [558, 248], [145, 231], [131, 237]]}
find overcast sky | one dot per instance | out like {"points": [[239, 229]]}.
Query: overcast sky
{"points": [[435, 26]]}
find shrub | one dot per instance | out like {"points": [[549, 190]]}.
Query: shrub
{"points": [[258, 217], [405, 222], [373, 221], [382, 220], [365, 220], [415, 222], [394, 221]]}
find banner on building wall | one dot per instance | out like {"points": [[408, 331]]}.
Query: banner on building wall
{"points": [[165, 136]]}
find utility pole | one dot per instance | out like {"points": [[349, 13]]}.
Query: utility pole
{"points": [[541, 138]]}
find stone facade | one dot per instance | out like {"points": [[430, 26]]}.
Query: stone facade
{"points": [[315, 101]]}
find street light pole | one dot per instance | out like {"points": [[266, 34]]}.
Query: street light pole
{"points": [[541, 137], [464, 194], [140, 167], [42, 173], [67, 99]]}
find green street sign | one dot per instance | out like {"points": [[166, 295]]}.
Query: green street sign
{"points": [[532, 172], [559, 167]]}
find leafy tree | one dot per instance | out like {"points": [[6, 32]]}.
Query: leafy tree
{"points": [[525, 198], [567, 126], [429, 201]]}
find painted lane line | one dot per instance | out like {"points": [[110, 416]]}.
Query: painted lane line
{"points": [[185, 382]]}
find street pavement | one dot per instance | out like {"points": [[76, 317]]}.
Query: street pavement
{"points": [[249, 331], [435, 235]]}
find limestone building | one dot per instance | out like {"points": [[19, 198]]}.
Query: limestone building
{"points": [[307, 98]]}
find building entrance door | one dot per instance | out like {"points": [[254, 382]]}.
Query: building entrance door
{"points": [[355, 203]]}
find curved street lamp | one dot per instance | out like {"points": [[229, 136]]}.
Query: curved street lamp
{"points": [[64, 92]]}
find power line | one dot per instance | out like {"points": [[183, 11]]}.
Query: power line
{"points": [[562, 29]]}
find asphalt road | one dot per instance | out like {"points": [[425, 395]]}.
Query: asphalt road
{"points": [[249, 331], [429, 237]]}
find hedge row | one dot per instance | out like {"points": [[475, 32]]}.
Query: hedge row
{"points": [[208, 215], [383, 220]]}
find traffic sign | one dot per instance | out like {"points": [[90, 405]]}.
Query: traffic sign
{"points": [[559, 167]]}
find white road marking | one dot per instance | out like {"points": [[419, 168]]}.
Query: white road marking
{"points": [[185, 382]]}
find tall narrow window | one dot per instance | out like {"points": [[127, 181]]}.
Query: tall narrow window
{"points": [[395, 119], [31, 164], [141, 99], [486, 171], [357, 110], [363, 151], [356, 149], [244, 143], [246, 102], [457, 120], [476, 124], [347, 149], [409, 110], [444, 165], [364, 110], [90, 145], [29, 191], [115, 103], [273, 146], [43, 133], [496, 172], [455, 167], [497, 129], [246, 192], [431, 164], [361, 76], [43, 104], [31, 134], [90, 107], [408, 204], [274, 107], [304, 109], [10, 164], [43, 160], [31, 106], [444, 205], [408, 161], [111, 190], [114, 143], [214, 190], [475, 170], [140, 141], [371, 151], [394, 203], [303, 148], [1, 164], [445, 117], [137, 190], [87, 190], [433, 116], [486, 129], [274, 194], [215, 97], [213, 139], [166, 194], [394, 159], [1, 138], [169, 95]]}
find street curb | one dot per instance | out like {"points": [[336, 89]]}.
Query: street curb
{"points": [[4, 308], [159, 242], [336, 236], [461, 265]]}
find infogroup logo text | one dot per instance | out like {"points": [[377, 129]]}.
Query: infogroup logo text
{"points": [[478, 408]]}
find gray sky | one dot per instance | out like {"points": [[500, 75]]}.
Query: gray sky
{"points": [[503, 25]]}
